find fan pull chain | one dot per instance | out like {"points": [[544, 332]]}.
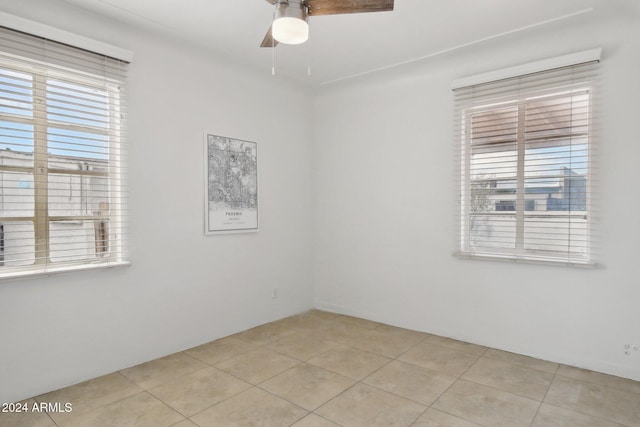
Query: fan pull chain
{"points": [[273, 44], [273, 60], [309, 55]]}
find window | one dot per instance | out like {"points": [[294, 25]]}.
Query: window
{"points": [[62, 157], [525, 166]]}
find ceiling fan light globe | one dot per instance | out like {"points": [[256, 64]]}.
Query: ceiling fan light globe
{"points": [[290, 30]]}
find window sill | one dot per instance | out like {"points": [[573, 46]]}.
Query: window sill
{"points": [[525, 260], [51, 271]]}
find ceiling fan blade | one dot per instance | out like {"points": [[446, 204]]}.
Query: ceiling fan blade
{"points": [[334, 7], [271, 1], [268, 40]]}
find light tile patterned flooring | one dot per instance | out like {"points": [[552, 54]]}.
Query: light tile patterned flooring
{"points": [[320, 369]]}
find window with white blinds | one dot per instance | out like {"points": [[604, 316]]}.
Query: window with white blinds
{"points": [[525, 165], [62, 157]]}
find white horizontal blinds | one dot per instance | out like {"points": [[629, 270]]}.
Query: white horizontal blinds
{"points": [[62, 155], [525, 165]]}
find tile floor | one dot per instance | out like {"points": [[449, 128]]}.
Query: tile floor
{"points": [[320, 369]]}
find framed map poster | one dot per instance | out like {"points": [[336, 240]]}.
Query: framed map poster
{"points": [[231, 185]]}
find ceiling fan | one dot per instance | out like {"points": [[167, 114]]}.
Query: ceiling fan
{"points": [[290, 18]]}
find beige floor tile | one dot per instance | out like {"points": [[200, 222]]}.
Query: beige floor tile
{"points": [[301, 346], [457, 345], [599, 378], [258, 365], [520, 360], [552, 416], [250, 408], [140, 410], [25, 416], [437, 358], [413, 382], [507, 377], [219, 350], [198, 390], [307, 386], [310, 320], [265, 334], [94, 393], [185, 423], [487, 406], [435, 418], [356, 321], [327, 315], [595, 400], [350, 362], [341, 332], [312, 316], [151, 374], [306, 323], [313, 420], [394, 330], [366, 406], [385, 342]]}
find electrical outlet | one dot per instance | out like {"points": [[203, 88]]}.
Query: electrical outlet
{"points": [[628, 348]]}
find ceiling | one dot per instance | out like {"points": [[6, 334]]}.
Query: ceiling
{"points": [[342, 46]]}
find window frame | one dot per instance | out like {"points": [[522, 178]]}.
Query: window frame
{"points": [[519, 100], [109, 252]]}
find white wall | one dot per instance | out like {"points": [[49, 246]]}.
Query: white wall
{"points": [[385, 207], [183, 288]]}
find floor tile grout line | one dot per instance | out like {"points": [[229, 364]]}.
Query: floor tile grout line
{"points": [[391, 360], [423, 339], [577, 410], [420, 415], [457, 349], [507, 391], [219, 361], [333, 398], [148, 390], [267, 379], [441, 372], [599, 383], [449, 388], [487, 386], [588, 415], [320, 416], [544, 396], [458, 416], [286, 400], [52, 420], [220, 401], [500, 390], [521, 365], [142, 391], [360, 382]]}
